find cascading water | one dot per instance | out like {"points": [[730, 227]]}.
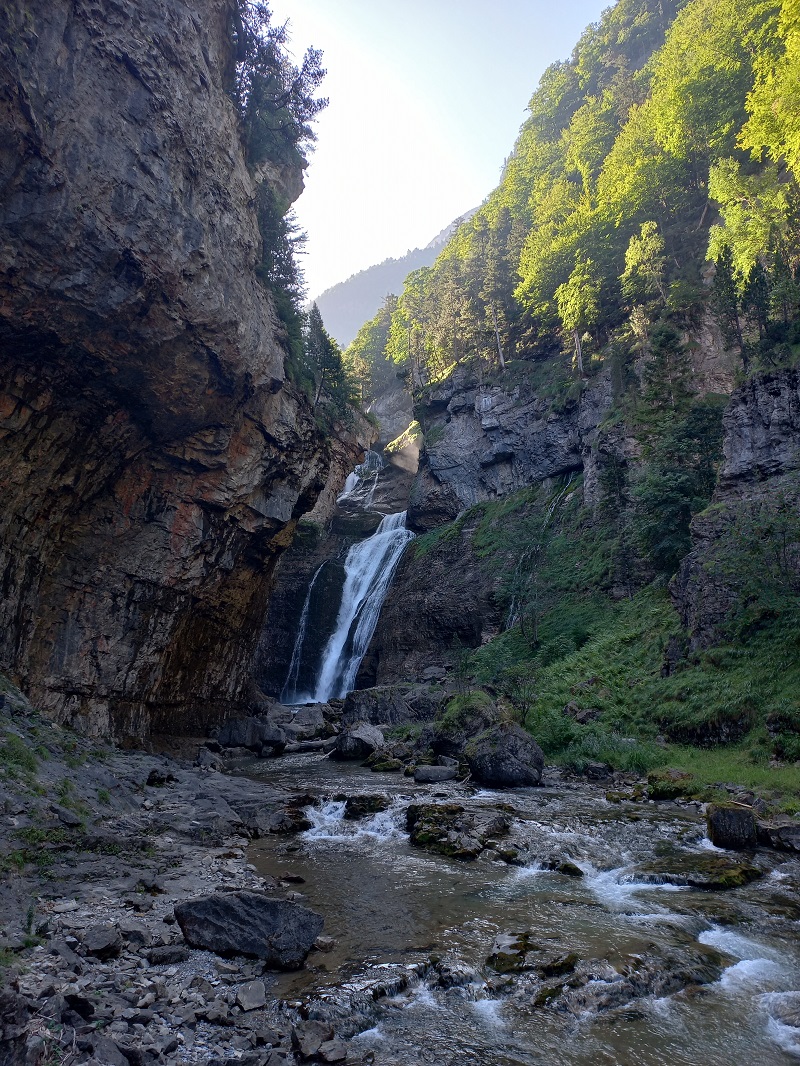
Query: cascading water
{"points": [[361, 483], [368, 570]]}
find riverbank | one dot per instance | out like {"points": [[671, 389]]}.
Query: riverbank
{"points": [[461, 923]]}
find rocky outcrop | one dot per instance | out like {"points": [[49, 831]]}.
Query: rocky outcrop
{"points": [[441, 598], [486, 441], [759, 481], [154, 458]]}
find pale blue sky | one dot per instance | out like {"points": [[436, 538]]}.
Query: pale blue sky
{"points": [[426, 100]]}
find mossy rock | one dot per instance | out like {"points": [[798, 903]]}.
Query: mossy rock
{"points": [[670, 784], [386, 766], [697, 870], [362, 806]]}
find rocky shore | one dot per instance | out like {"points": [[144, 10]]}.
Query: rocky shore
{"points": [[135, 929]]}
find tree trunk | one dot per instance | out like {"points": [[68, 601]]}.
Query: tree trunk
{"points": [[497, 338], [578, 351]]}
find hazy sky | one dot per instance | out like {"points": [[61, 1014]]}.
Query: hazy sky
{"points": [[426, 100]]}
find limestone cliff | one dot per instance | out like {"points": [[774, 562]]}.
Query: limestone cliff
{"points": [[153, 456], [760, 470], [483, 442]]}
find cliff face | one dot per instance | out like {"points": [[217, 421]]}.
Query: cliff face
{"points": [[760, 473], [153, 458], [483, 442]]}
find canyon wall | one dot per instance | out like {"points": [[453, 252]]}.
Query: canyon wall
{"points": [[154, 458], [753, 523]]}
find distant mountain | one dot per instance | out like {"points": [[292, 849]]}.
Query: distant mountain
{"points": [[347, 306]]}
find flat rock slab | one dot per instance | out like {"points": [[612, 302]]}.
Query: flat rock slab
{"points": [[434, 775], [695, 870], [251, 923]]}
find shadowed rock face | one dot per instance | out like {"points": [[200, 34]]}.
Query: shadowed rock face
{"points": [[761, 466], [153, 459]]}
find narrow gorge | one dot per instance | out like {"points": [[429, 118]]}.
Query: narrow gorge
{"points": [[432, 699]]}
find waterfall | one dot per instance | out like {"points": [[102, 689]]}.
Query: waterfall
{"points": [[289, 693], [361, 483], [368, 570]]}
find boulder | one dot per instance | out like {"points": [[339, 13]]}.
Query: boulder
{"points": [[253, 733], [434, 775], [362, 806], [250, 923], [783, 834], [449, 829], [305, 723], [102, 941], [731, 825], [392, 705], [359, 742], [505, 756], [252, 995]]}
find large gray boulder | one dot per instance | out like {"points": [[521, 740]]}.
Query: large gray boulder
{"points": [[250, 923], [731, 825], [255, 734], [435, 775], [359, 742], [505, 756]]}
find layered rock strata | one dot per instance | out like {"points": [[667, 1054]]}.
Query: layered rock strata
{"points": [[153, 456]]}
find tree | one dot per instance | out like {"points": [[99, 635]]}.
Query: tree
{"points": [[774, 103], [725, 298], [275, 98], [578, 301], [325, 361], [645, 263]]}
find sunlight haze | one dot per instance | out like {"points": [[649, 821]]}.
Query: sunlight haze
{"points": [[426, 99]]}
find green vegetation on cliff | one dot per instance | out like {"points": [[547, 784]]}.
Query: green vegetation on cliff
{"points": [[668, 139], [600, 669]]}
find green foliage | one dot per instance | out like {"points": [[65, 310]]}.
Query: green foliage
{"points": [[335, 391], [677, 483], [15, 754], [757, 557], [275, 98], [366, 357]]}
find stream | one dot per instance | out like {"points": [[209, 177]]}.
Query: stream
{"points": [[408, 977]]}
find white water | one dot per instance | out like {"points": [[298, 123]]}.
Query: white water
{"points": [[361, 483], [369, 568], [328, 823]]}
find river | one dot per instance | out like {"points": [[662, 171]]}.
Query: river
{"points": [[654, 974]]}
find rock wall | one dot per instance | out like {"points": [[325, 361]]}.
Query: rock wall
{"points": [[153, 456], [761, 466], [438, 600], [483, 442]]}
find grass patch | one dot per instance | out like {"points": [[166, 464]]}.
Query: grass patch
{"points": [[16, 756]]}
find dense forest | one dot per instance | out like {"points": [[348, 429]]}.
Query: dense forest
{"points": [[668, 139]]}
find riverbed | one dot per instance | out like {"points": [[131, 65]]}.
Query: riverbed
{"points": [[644, 973]]}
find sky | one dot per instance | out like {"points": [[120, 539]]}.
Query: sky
{"points": [[426, 100]]}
